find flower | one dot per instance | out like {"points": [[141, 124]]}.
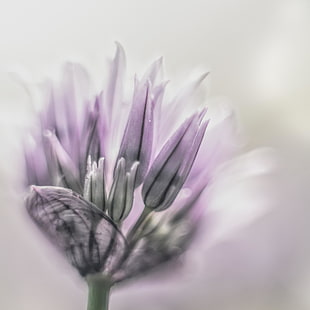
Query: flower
{"points": [[115, 183]]}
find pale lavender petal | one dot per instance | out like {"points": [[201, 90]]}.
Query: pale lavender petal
{"points": [[91, 142], [69, 98], [35, 164], [64, 167], [114, 91], [185, 95], [154, 72], [102, 126], [67, 102], [113, 107], [158, 93], [183, 103], [220, 144]]}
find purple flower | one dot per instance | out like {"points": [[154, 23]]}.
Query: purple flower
{"points": [[115, 182]]}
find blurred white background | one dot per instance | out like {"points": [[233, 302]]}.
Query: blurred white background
{"points": [[258, 54]]}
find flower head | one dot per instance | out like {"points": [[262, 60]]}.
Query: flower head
{"points": [[115, 182]]}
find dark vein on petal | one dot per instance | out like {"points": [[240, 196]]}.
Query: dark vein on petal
{"points": [[143, 125], [109, 249], [164, 193], [166, 161]]}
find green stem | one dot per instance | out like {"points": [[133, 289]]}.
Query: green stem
{"points": [[136, 227], [98, 292]]}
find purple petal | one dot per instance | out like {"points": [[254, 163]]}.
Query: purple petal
{"points": [[219, 144], [91, 144], [114, 92], [172, 165], [183, 103], [185, 168], [137, 141], [62, 165], [35, 164], [153, 72]]}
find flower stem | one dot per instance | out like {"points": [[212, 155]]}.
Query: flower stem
{"points": [[137, 225], [98, 292]]}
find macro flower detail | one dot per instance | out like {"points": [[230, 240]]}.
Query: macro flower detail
{"points": [[172, 165], [115, 178], [90, 239]]}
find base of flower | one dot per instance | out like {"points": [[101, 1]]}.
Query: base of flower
{"points": [[98, 292]]}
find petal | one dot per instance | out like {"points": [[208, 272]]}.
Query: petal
{"points": [[158, 96], [183, 102], [122, 191], [249, 195], [83, 232], [172, 165], [220, 143], [154, 72], [113, 107], [63, 164], [114, 92], [36, 167], [185, 167], [137, 141], [91, 144], [66, 102], [75, 88]]}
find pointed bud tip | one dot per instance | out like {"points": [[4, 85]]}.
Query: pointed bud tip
{"points": [[34, 188]]}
